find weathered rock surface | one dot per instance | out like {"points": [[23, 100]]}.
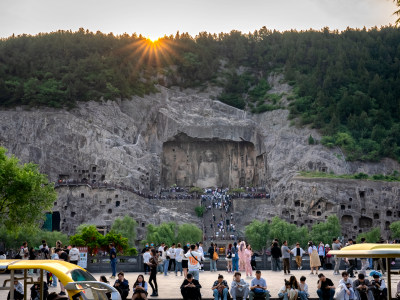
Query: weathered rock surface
{"points": [[132, 142]]}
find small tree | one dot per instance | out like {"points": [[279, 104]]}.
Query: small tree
{"points": [[189, 233], [257, 234], [25, 193], [311, 140], [120, 243], [395, 229], [87, 235], [325, 231], [199, 211], [126, 227], [164, 233], [372, 236]]}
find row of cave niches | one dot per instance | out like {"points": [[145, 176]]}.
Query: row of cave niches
{"points": [[108, 201]]}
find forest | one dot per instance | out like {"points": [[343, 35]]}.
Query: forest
{"points": [[345, 84]]}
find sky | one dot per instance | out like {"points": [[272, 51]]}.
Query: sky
{"points": [[156, 18]]}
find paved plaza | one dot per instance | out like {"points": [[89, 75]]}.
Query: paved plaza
{"points": [[169, 285]]}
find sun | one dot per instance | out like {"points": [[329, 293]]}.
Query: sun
{"points": [[153, 39]]}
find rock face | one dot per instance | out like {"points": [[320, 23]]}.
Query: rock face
{"points": [[188, 139]]}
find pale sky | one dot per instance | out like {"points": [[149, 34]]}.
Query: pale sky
{"points": [[154, 18]]}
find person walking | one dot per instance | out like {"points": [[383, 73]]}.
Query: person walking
{"points": [[298, 254], [286, 257], [247, 254], [321, 254], [336, 245], [276, 253], [212, 251], [185, 260], [229, 258], [166, 259], [235, 257], [314, 258], [242, 260], [113, 260], [153, 262], [178, 259], [172, 262]]}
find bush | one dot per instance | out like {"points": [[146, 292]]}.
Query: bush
{"points": [[199, 211], [131, 252]]}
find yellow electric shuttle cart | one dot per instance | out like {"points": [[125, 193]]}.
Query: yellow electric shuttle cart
{"points": [[79, 284], [385, 251]]}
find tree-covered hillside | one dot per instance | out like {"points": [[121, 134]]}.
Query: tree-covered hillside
{"points": [[346, 84]]}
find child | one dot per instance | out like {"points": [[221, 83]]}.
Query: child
{"points": [[304, 286]]}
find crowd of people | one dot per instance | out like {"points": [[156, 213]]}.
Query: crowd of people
{"points": [[44, 251]]}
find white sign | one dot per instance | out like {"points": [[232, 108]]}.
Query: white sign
{"points": [[83, 257]]}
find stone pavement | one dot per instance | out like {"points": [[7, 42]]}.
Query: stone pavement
{"points": [[169, 285]]}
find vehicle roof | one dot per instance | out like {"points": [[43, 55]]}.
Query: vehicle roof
{"points": [[58, 267], [369, 250]]}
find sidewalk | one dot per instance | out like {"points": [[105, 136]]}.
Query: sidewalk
{"points": [[168, 286]]}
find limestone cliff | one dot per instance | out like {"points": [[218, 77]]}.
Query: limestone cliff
{"points": [[176, 137]]}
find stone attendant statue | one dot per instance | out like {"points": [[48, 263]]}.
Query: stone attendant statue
{"points": [[208, 171]]}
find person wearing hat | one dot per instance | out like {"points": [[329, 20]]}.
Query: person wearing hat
{"points": [[378, 286]]}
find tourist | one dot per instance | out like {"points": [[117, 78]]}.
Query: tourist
{"points": [[276, 253], [74, 255], [351, 261], [220, 288], [104, 279], [178, 259], [229, 258], [378, 286], [247, 254], [212, 251], [166, 257], [364, 261], [190, 288], [113, 260], [146, 258], [258, 287], [194, 263], [314, 258], [336, 245], [161, 248], [62, 255], [362, 288], [160, 261], [326, 288], [54, 256], [18, 291], [235, 257], [294, 285], [242, 259], [328, 264], [239, 287], [285, 291], [185, 260], [321, 254], [201, 250], [122, 285], [345, 290], [140, 288], [298, 254], [153, 263], [35, 291], [286, 257], [32, 256], [24, 252], [304, 286], [172, 258]]}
